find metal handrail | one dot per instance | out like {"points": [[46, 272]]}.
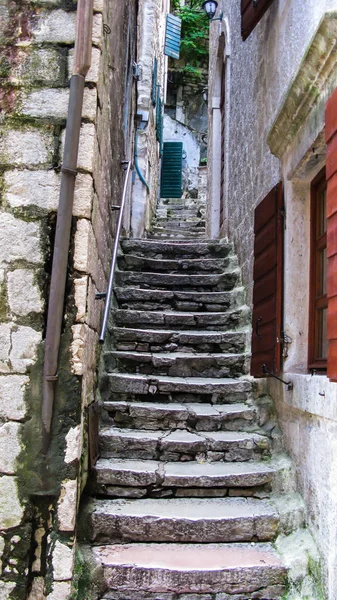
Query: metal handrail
{"points": [[108, 293]]}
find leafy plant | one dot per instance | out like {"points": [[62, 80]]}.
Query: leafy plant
{"points": [[194, 38]]}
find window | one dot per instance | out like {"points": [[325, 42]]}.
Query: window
{"points": [[318, 318], [252, 12]]}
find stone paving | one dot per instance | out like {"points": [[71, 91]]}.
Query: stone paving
{"points": [[191, 489]]}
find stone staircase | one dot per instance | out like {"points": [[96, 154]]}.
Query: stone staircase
{"points": [[181, 218], [192, 497]]}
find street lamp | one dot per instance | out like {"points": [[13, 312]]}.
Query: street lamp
{"points": [[210, 6]]}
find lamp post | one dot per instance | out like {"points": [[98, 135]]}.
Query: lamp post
{"points": [[210, 7]]}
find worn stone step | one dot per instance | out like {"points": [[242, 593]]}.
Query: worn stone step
{"points": [[137, 298], [187, 224], [126, 385], [206, 282], [132, 262], [221, 321], [177, 364], [165, 232], [180, 444], [274, 592], [191, 568], [182, 520], [199, 417], [172, 249], [190, 474], [152, 340]]}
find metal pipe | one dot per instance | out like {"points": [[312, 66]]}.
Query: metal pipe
{"points": [[82, 58], [140, 174], [114, 259]]}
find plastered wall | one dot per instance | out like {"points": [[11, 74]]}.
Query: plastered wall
{"points": [[263, 72]]}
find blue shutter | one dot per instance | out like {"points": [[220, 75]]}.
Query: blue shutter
{"points": [[159, 122], [172, 170], [172, 37]]}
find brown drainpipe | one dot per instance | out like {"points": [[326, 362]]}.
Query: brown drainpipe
{"points": [[82, 61]]}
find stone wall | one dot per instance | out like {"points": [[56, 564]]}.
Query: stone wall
{"points": [[38, 507], [150, 43], [279, 80]]}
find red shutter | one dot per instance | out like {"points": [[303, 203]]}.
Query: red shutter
{"points": [[267, 293], [252, 12], [331, 176]]}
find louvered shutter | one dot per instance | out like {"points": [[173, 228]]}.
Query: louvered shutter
{"points": [[331, 176], [159, 122], [172, 36], [154, 82], [171, 171], [267, 292], [252, 12]]}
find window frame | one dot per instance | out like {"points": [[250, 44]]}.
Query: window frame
{"points": [[318, 301]]}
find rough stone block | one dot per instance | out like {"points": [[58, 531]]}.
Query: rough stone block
{"points": [[6, 588], [11, 510], [12, 403], [37, 591], [19, 240], [10, 447], [81, 288], [92, 75], [24, 348], [83, 349], [5, 346], [63, 562], [98, 5], [84, 243], [23, 294], [97, 29], [53, 103], [85, 159], [32, 188], [43, 65], [57, 26], [74, 444], [67, 506], [42, 189], [26, 146], [61, 591]]}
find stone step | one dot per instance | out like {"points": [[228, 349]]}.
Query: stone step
{"points": [[179, 300], [192, 569], [195, 417], [182, 520], [209, 389], [187, 223], [172, 249], [183, 476], [206, 282], [221, 321], [165, 232], [179, 212], [152, 340], [229, 446], [177, 364], [131, 262]]}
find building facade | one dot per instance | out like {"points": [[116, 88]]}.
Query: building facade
{"points": [[271, 164]]}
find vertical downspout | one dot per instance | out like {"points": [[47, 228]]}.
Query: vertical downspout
{"points": [[82, 61]]}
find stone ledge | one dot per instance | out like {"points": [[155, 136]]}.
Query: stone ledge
{"points": [[317, 67]]}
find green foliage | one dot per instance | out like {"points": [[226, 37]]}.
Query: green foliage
{"points": [[194, 38]]}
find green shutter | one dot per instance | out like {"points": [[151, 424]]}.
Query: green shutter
{"points": [[171, 170], [172, 36], [159, 122], [154, 83]]}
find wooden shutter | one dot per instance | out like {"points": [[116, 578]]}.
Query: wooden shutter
{"points": [[331, 176], [159, 122], [171, 172], [267, 292], [252, 12], [172, 36], [154, 90]]}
